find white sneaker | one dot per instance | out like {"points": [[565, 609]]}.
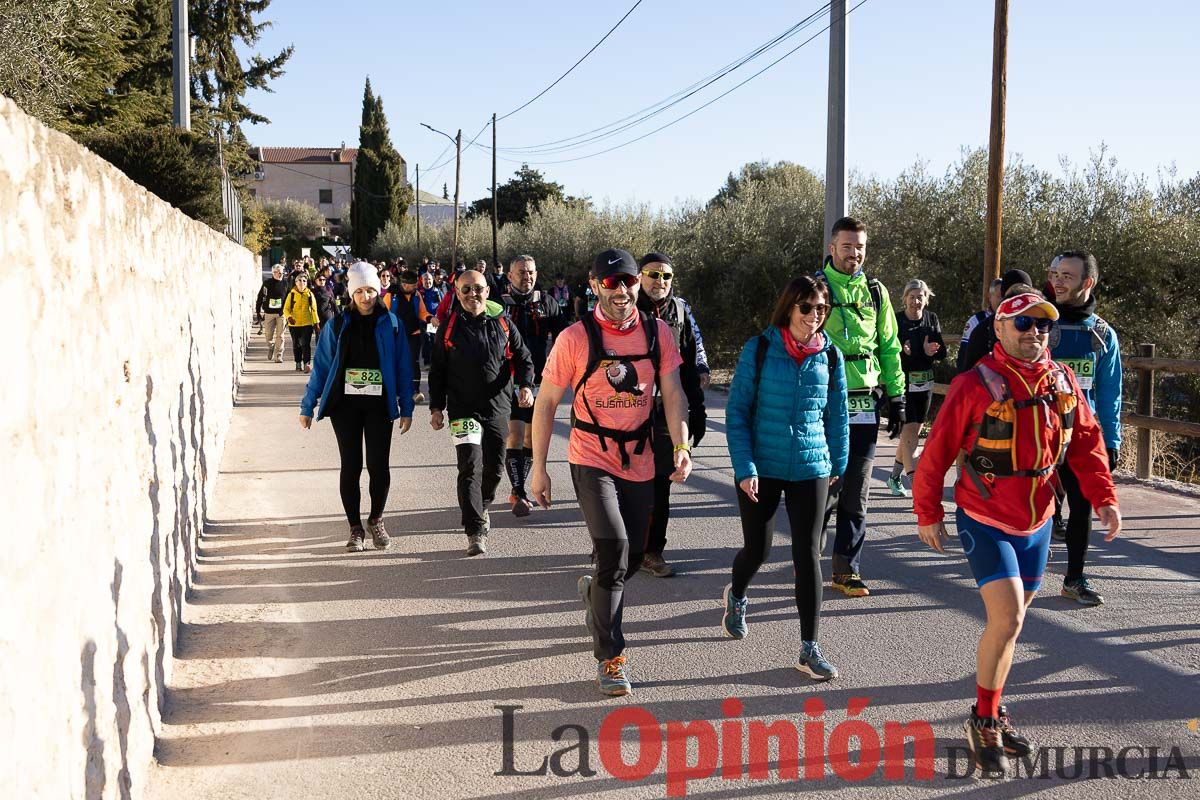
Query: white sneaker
{"points": [[418, 398]]}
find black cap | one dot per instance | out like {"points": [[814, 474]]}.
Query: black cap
{"points": [[652, 257], [614, 262], [1012, 278]]}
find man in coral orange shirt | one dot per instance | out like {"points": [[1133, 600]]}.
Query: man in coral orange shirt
{"points": [[1017, 415], [613, 358]]}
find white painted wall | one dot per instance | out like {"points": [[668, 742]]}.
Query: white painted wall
{"points": [[126, 328]]}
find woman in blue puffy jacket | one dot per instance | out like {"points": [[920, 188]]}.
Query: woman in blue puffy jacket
{"points": [[361, 380], [788, 431]]}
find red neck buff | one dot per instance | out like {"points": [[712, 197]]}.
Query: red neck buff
{"points": [[618, 328], [802, 351]]}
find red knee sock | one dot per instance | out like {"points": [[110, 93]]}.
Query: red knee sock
{"points": [[987, 702]]}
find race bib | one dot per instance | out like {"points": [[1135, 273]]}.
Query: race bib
{"points": [[275, 302], [1084, 369], [367, 382], [466, 431], [920, 380], [862, 409]]}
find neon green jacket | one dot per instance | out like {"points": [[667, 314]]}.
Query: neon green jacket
{"points": [[853, 327]]}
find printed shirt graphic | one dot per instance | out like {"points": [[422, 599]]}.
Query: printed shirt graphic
{"points": [[619, 393]]}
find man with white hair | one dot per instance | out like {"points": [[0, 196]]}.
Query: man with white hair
{"points": [[270, 305]]}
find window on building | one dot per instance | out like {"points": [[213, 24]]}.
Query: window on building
{"points": [[326, 195]]}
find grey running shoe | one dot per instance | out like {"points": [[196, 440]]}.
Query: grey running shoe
{"points": [[813, 664], [584, 588], [379, 536], [476, 544], [733, 622], [984, 739], [613, 678], [1081, 591], [653, 563], [358, 540]]}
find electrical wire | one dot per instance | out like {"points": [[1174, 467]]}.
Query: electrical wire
{"points": [[573, 66], [693, 111], [613, 128]]}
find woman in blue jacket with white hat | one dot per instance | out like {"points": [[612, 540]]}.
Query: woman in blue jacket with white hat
{"points": [[788, 432], [362, 377]]}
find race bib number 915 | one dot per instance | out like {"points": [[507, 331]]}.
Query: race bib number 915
{"points": [[862, 409]]}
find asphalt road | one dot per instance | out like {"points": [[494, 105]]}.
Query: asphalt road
{"points": [[307, 672]]}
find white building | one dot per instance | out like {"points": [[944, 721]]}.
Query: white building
{"points": [[435, 210]]}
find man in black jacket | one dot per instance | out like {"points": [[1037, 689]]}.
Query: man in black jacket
{"points": [[532, 312], [270, 306], [982, 338], [477, 354], [658, 300]]}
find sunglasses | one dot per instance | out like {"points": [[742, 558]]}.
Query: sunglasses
{"points": [[611, 282], [1024, 323], [470, 290], [654, 274], [808, 308]]}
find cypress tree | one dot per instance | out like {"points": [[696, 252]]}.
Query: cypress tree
{"points": [[381, 191]]}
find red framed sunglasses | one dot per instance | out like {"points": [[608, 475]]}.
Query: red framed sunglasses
{"points": [[611, 282]]}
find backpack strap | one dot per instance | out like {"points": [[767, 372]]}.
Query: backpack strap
{"points": [[448, 330], [760, 358]]}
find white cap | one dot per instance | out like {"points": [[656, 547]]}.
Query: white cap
{"points": [[361, 274]]}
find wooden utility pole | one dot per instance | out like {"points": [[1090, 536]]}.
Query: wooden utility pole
{"points": [[457, 183], [419, 253], [835, 121], [495, 222], [995, 184]]}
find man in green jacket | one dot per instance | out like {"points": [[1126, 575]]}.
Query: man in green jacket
{"points": [[862, 326]]}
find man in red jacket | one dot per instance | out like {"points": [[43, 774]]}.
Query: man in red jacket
{"points": [[1017, 414]]}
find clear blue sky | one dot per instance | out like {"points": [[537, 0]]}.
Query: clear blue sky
{"points": [[1081, 72]]}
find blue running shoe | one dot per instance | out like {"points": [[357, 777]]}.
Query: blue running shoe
{"points": [[733, 622], [584, 587], [813, 664], [612, 677]]}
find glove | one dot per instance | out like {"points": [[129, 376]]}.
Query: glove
{"points": [[895, 416], [697, 425], [1114, 456]]}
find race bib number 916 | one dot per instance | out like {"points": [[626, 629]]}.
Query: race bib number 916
{"points": [[1084, 369]]}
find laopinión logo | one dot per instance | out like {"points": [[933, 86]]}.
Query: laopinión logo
{"points": [[735, 748]]}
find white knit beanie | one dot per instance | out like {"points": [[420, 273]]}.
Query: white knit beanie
{"points": [[361, 274]]}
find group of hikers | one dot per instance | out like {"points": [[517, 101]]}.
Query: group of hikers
{"points": [[1031, 419]]}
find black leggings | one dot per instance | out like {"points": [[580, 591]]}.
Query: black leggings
{"points": [[302, 343], [805, 502], [352, 424]]}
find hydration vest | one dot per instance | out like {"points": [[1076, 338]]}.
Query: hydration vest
{"points": [[994, 452], [596, 356], [532, 308]]}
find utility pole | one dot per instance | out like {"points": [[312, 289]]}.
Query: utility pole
{"points": [[995, 184], [835, 125], [419, 253], [181, 108], [457, 182], [495, 223]]}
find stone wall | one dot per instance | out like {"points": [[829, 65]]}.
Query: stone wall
{"points": [[126, 334]]}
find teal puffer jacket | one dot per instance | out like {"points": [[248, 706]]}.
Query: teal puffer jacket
{"points": [[799, 429]]}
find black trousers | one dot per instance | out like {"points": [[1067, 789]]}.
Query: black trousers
{"points": [[356, 424], [414, 356], [805, 501], [1079, 523], [617, 513], [849, 498], [480, 467], [302, 343], [664, 465]]}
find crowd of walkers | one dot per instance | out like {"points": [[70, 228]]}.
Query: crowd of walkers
{"points": [[1031, 419]]}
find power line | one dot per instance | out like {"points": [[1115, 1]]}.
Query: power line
{"points": [[695, 110], [576, 64], [613, 128]]}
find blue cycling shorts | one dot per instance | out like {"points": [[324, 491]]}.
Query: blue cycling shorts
{"points": [[994, 554]]}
